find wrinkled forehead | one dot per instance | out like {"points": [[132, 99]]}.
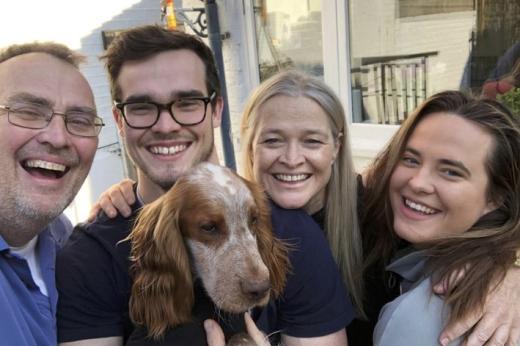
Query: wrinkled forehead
{"points": [[46, 78]]}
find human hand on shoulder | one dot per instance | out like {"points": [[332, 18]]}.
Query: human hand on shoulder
{"points": [[497, 323], [116, 199]]}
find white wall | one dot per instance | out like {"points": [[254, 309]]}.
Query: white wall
{"points": [[240, 76], [108, 167]]}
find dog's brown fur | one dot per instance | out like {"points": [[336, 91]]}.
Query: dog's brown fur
{"points": [[219, 221]]}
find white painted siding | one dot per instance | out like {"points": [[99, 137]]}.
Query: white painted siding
{"points": [[235, 52], [108, 167]]}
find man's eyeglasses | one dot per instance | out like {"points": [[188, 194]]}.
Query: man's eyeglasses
{"points": [[185, 111], [29, 116]]}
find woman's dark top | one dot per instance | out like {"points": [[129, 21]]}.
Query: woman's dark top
{"points": [[380, 288]]}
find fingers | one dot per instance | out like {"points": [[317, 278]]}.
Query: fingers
{"points": [[500, 337], [486, 332], [106, 205], [459, 328], [127, 190], [214, 334], [514, 337], [442, 286], [482, 332], [117, 199], [499, 325], [96, 208], [258, 337], [120, 196]]}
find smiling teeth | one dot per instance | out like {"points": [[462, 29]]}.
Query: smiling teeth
{"points": [[291, 177], [45, 165], [419, 207], [168, 150]]}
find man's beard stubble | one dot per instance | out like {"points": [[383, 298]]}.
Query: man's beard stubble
{"points": [[21, 220], [167, 185]]}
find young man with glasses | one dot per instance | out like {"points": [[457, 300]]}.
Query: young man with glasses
{"points": [[166, 104], [154, 75], [48, 135]]}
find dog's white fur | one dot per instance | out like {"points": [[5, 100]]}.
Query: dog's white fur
{"points": [[232, 270], [211, 224]]}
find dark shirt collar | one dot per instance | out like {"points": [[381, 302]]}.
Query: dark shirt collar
{"points": [[319, 218]]}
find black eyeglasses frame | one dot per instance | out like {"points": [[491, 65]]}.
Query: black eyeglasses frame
{"points": [[165, 106]]}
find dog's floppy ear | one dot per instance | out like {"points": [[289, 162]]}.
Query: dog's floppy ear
{"points": [[162, 292], [273, 251]]}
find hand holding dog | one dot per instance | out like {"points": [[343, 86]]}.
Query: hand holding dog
{"points": [[254, 337]]}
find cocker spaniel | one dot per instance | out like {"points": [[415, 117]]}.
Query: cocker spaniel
{"points": [[211, 225]]}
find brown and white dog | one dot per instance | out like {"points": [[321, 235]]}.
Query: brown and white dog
{"points": [[211, 225]]}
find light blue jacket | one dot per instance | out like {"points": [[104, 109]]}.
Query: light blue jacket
{"points": [[417, 316]]}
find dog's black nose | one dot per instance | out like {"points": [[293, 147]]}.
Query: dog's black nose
{"points": [[255, 289]]}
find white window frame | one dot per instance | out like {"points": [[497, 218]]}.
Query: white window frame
{"points": [[250, 43], [366, 139]]}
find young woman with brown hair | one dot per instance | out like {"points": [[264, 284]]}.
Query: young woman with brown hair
{"points": [[446, 192]]}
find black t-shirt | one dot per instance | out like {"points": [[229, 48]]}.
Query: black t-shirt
{"points": [[192, 333], [94, 282], [380, 286]]}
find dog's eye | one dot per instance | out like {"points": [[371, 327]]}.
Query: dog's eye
{"points": [[209, 227], [253, 221]]}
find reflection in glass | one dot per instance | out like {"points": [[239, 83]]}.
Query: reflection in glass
{"points": [[289, 35], [403, 51]]}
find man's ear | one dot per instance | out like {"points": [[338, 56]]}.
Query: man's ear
{"points": [[118, 118], [217, 111]]}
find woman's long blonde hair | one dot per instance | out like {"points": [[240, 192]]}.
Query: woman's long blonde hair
{"points": [[341, 220]]}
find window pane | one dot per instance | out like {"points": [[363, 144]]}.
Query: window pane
{"points": [[403, 51], [414, 8], [289, 35]]}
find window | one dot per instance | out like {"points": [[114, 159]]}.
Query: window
{"points": [[289, 35], [403, 51], [413, 8]]}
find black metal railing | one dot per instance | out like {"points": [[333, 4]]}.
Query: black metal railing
{"points": [[387, 88]]}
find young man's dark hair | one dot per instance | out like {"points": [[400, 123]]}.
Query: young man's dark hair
{"points": [[150, 40]]}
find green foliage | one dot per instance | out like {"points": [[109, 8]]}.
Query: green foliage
{"points": [[512, 100]]}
